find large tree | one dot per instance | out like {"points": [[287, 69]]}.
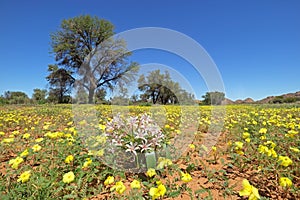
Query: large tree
{"points": [[84, 46], [61, 82]]}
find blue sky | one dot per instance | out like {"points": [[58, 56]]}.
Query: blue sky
{"points": [[254, 44]]}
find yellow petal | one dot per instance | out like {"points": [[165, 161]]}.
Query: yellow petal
{"points": [[244, 193], [255, 192], [153, 191], [246, 184]]}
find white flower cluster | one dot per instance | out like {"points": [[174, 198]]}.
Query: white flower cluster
{"points": [[135, 134]]}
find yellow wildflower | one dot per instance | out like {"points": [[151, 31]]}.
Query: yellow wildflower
{"points": [[15, 162], [2, 133], [192, 146], [39, 139], [285, 182], [24, 177], [240, 152], [36, 148], [102, 127], [291, 133], [8, 140], [238, 145], [68, 135], [119, 187], [263, 130], [69, 159], [246, 135], [249, 190], [26, 136], [109, 180], [151, 172], [270, 143], [158, 192], [158, 182], [186, 177], [24, 153], [87, 163], [294, 149], [16, 132], [135, 184], [167, 126], [46, 127], [272, 153], [68, 177], [262, 149], [285, 161]]}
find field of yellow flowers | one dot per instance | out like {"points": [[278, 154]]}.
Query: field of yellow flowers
{"points": [[254, 155]]}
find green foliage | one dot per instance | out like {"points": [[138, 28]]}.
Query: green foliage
{"points": [[39, 96], [290, 100], [160, 88], [282, 99], [16, 97], [213, 98], [3, 100], [77, 37], [278, 99], [61, 82]]}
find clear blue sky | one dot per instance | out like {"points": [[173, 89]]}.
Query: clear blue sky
{"points": [[255, 44]]}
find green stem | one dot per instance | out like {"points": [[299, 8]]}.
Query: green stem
{"points": [[137, 161], [150, 159]]}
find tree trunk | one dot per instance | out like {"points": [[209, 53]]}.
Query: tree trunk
{"points": [[91, 95], [61, 95]]}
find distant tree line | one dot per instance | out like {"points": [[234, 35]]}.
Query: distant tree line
{"points": [[161, 90], [14, 98], [282, 99], [18, 97], [213, 98]]}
